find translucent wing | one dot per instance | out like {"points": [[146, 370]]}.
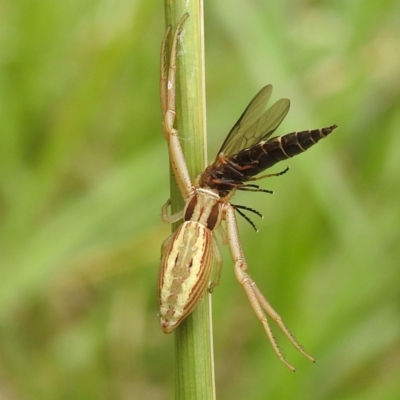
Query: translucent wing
{"points": [[252, 127]]}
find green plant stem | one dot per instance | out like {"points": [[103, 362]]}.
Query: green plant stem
{"points": [[193, 337]]}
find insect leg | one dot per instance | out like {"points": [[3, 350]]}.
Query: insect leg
{"points": [[257, 300], [167, 92], [256, 178]]}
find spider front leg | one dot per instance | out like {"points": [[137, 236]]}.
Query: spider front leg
{"points": [[168, 89], [257, 300]]}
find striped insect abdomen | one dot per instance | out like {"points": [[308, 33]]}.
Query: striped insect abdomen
{"points": [[264, 155], [185, 272]]}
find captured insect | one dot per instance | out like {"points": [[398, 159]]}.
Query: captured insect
{"points": [[189, 254]]}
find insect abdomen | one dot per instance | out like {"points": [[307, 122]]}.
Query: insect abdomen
{"points": [[185, 272], [266, 154]]}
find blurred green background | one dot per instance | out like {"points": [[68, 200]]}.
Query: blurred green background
{"points": [[84, 172]]}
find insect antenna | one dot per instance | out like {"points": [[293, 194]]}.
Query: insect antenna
{"points": [[239, 208]]}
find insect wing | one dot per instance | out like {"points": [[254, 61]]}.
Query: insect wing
{"points": [[247, 119], [269, 122], [253, 126]]}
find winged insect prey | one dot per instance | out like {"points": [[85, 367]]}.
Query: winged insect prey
{"points": [[189, 253], [249, 150]]}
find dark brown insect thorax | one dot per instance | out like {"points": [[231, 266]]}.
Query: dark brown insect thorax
{"points": [[222, 176]]}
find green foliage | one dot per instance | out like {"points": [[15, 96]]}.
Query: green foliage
{"points": [[84, 171]]}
